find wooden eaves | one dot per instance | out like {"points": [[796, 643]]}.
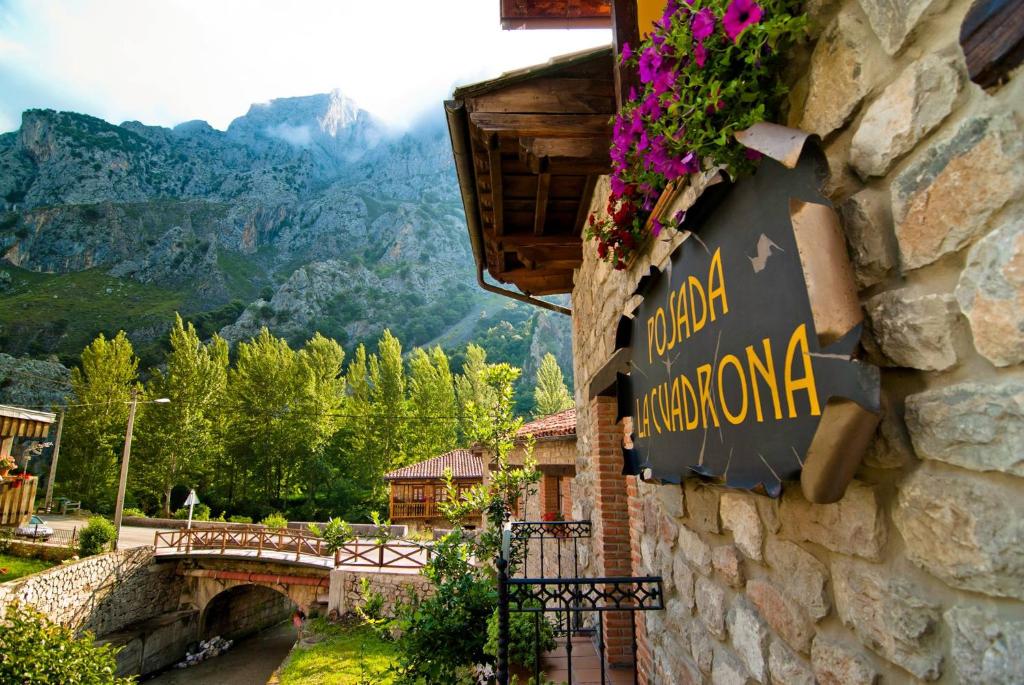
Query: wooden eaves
{"points": [[529, 146]]}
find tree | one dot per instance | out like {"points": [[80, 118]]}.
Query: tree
{"points": [[471, 387], [38, 651], [95, 423], [177, 442], [387, 424], [551, 394], [432, 397], [321, 399]]}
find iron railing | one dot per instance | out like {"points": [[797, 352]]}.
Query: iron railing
{"points": [[573, 606], [284, 544]]}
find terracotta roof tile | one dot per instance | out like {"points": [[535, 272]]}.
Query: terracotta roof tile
{"points": [[462, 463], [554, 425]]}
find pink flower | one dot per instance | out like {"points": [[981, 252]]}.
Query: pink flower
{"points": [[627, 52], [703, 24], [740, 15], [656, 228], [700, 55], [752, 155]]}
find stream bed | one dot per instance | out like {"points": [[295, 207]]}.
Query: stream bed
{"points": [[251, 661]]}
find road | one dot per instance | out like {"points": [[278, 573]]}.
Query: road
{"points": [[131, 536]]}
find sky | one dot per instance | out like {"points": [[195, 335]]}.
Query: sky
{"points": [[175, 60]]}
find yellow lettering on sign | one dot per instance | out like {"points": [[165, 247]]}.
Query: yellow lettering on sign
{"points": [[766, 370], [678, 422], [805, 382], [697, 323], [689, 401], [741, 415], [647, 416], [682, 318], [672, 319], [659, 331], [654, 408], [665, 406], [716, 291], [704, 388], [650, 339]]}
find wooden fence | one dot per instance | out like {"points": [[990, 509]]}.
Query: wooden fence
{"points": [[285, 543]]}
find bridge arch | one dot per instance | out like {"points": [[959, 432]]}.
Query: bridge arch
{"points": [[243, 609]]}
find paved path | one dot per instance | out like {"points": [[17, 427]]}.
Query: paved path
{"points": [[415, 561], [131, 536]]}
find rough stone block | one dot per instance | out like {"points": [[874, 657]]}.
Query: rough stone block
{"points": [[784, 615], [800, 575], [891, 448], [888, 615], [727, 669], [914, 331], [749, 636], [842, 71], [670, 499], [867, 222], [702, 506], [991, 293], [968, 531], [834, 663], [786, 668], [977, 426], [893, 20], [987, 650], [701, 648], [695, 550], [728, 564], [739, 514], [683, 578], [910, 107], [711, 606], [946, 196], [853, 525]]}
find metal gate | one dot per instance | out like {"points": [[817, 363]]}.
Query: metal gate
{"points": [[538, 574]]}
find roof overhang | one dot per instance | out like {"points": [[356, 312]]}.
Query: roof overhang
{"points": [[16, 422], [529, 147], [556, 14]]}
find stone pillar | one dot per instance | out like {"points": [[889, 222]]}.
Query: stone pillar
{"points": [[611, 509]]}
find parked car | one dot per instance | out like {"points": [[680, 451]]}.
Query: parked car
{"points": [[36, 529]]}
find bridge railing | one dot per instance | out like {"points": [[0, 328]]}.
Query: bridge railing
{"points": [[394, 554]]}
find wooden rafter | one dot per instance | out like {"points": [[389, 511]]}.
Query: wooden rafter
{"points": [[543, 125], [494, 161], [541, 213]]}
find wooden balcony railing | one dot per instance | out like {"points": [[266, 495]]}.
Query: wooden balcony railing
{"points": [[415, 510]]}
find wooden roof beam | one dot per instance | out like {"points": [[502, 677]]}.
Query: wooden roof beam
{"points": [[541, 213], [543, 125], [494, 160]]}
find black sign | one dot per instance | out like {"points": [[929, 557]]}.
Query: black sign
{"points": [[730, 377]]}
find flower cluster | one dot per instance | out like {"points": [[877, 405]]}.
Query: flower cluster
{"points": [[708, 69]]}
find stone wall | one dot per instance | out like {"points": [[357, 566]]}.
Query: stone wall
{"points": [[102, 593], [917, 573], [345, 593]]}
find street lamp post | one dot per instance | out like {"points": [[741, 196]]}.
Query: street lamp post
{"points": [[123, 483]]}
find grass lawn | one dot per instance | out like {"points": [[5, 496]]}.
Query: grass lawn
{"points": [[347, 654], [16, 567]]}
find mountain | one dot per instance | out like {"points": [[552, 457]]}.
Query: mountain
{"points": [[307, 214]]}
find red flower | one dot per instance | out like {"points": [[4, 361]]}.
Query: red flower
{"points": [[602, 249]]}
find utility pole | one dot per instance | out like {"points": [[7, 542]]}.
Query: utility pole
{"points": [[123, 484], [53, 463]]}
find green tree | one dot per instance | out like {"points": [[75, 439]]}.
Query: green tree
{"points": [[471, 388], [178, 442], [387, 425], [432, 397], [320, 403], [95, 423], [36, 651], [551, 394]]}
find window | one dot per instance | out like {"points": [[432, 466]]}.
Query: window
{"points": [[417, 493]]}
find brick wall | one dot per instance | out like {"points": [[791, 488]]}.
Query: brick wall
{"points": [[916, 574]]}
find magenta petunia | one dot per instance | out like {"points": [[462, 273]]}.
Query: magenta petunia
{"points": [[740, 15], [700, 55], [650, 62], [655, 228], [627, 52], [752, 154], [703, 24], [618, 186]]}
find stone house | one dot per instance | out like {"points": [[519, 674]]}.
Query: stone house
{"points": [[915, 573]]}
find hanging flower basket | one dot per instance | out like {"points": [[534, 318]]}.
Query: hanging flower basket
{"points": [[708, 69]]}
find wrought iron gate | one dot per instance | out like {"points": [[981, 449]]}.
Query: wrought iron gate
{"points": [[572, 605]]}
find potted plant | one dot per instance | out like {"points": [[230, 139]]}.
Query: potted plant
{"points": [[6, 464]]}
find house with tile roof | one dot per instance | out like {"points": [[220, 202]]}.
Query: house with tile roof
{"points": [[417, 490]]}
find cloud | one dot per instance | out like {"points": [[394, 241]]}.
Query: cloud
{"points": [[175, 60], [299, 136]]}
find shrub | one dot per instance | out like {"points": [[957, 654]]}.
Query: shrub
{"points": [[275, 521], [134, 512], [523, 637], [371, 609], [95, 537], [336, 534], [200, 512], [6, 537], [234, 518], [38, 651]]}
